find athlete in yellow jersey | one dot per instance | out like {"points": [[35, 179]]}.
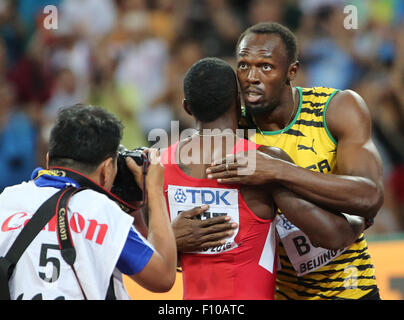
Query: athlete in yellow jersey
{"points": [[307, 140], [327, 133]]}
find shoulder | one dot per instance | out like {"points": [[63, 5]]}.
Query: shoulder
{"points": [[99, 210], [346, 113], [93, 203], [21, 187], [346, 99], [24, 190], [94, 198]]}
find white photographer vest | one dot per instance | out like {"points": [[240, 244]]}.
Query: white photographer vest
{"points": [[98, 228]]}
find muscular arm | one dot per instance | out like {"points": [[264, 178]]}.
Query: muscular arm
{"points": [[326, 229], [357, 186], [330, 230]]}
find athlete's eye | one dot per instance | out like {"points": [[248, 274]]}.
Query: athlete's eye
{"points": [[266, 67], [242, 66]]}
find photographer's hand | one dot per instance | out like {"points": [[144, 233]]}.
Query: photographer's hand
{"points": [[155, 171], [136, 171]]}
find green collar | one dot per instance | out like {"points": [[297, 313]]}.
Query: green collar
{"points": [[250, 123], [294, 119]]}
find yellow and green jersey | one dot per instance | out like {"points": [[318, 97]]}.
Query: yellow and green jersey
{"points": [[309, 272]]}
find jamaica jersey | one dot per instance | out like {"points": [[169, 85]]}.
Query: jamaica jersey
{"points": [[308, 272]]}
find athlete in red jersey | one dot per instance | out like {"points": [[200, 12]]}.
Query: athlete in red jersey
{"points": [[232, 270], [244, 266]]}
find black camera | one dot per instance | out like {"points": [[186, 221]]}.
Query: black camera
{"points": [[125, 186]]}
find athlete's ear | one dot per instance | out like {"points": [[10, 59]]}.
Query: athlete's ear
{"points": [[292, 71], [185, 106]]}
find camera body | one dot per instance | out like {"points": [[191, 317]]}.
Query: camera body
{"points": [[125, 186]]}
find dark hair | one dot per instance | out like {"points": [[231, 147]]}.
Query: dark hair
{"points": [[84, 136], [287, 36], [210, 88]]}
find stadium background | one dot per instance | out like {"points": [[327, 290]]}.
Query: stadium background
{"points": [[130, 57]]}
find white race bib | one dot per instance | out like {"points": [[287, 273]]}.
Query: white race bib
{"points": [[302, 254], [222, 202]]}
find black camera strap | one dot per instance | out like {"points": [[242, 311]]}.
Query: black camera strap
{"points": [[84, 181], [42, 216], [66, 246]]}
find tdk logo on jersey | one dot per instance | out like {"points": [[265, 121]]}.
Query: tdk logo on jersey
{"points": [[180, 196], [206, 196]]}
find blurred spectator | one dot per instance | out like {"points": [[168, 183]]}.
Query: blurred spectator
{"points": [[71, 51], [325, 53], [265, 10], [32, 75], [119, 99], [91, 18], [396, 134], [141, 65], [11, 31], [64, 93], [215, 24], [166, 17], [4, 67], [18, 137], [382, 106], [184, 54]]}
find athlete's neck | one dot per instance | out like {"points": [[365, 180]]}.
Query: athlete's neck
{"points": [[211, 142], [227, 122], [281, 116]]}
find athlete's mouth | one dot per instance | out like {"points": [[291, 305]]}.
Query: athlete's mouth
{"points": [[253, 95]]}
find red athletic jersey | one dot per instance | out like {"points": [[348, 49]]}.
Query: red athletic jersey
{"points": [[243, 268]]}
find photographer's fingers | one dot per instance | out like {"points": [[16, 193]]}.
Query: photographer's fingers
{"points": [[154, 155], [155, 171], [135, 169]]}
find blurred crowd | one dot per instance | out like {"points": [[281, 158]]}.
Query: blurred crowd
{"points": [[130, 57]]}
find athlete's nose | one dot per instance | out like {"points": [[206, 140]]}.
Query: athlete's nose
{"points": [[252, 76]]}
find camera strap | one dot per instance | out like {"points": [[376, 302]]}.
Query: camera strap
{"points": [[84, 181], [66, 246]]}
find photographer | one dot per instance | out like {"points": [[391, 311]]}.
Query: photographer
{"points": [[83, 151]]}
